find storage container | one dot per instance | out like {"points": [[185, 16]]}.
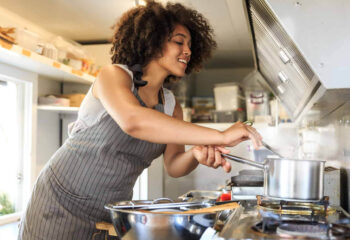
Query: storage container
{"points": [[27, 39], [202, 107], [228, 96], [52, 100], [257, 103], [47, 50], [229, 116], [69, 49], [74, 98], [224, 116]]}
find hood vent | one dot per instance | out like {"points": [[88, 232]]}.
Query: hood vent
{"points": [[279, 61], [260, 9]]}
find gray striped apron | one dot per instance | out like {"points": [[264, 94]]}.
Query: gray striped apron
{"points": [[96, 166]]}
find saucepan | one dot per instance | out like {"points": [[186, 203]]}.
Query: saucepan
{"points": [[289, 179]]}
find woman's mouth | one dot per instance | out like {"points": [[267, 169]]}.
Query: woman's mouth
{"points": [[183, 61]]}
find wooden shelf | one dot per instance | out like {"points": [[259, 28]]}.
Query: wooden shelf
{"points": [[58, 109], [22, 58]]}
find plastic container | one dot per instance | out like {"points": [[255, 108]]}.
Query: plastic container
{"points": [[76, 64], [27, 39], [47, 50], [75, 98], [205, 102], [187, 114], [52, 100], [224, 116], [257, 103], [69, 49], [202, 107], [228, 96], [278, 111]]}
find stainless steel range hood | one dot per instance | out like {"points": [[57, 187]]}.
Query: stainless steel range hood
{"points": [[301, 51]]}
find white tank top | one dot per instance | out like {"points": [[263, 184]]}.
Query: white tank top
{"points": [[92, 111]]}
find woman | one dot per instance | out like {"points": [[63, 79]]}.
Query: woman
{"points": [[126, 120]]}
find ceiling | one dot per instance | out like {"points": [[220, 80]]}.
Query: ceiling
{"points": [[91, 21]]}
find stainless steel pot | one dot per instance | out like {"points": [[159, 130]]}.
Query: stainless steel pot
{"points": [[133, 223], [289, 179]]}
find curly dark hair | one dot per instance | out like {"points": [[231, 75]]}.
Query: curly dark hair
{"points": [[140, 34]]}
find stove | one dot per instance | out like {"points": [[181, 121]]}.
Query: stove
{"points": [[265, 218], [246, 185]]}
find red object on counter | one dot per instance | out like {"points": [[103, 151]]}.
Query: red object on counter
{"points": [[225, 197]]}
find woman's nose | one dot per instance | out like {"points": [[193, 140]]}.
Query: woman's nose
{"points": [[187, 51]]}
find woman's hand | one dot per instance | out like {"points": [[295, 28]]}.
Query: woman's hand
{"points": [[240, 132], [211, 156]]}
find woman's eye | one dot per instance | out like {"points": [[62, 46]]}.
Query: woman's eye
{"points": [[179, 43]]}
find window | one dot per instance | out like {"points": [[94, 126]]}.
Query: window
{"points": [[15, 146]]}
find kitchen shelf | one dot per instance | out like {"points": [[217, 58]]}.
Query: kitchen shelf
{"points": [[58, 109], [22, 58]]}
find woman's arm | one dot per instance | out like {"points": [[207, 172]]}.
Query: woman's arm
{"points": [[179, 163], [113, 88]]}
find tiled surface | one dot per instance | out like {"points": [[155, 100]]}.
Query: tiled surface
{"points": [[9, 231]]}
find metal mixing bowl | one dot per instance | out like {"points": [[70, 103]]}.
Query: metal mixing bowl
{"points": [[138, 224]]}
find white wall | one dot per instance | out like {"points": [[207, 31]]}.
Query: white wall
{"points": [[100, 53], [10, 19]]}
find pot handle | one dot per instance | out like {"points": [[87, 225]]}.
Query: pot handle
{"points": [[242, 160]]}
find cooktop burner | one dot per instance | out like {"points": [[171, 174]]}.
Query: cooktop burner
{"points": [[271, 219], [295, 208], [309, 229], [294, 228]]}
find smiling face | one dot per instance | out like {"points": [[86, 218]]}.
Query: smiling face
{"points": [[176, 52]]}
